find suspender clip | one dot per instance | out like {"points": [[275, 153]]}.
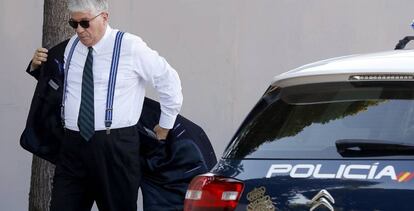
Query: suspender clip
{"points": [[108, 125]]}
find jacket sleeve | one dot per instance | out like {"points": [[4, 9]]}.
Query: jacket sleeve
{"points": [[35, 73]]}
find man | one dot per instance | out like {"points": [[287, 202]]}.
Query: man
{"points": [[98, 162]]}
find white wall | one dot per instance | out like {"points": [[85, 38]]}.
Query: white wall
{"points": [[226, 52], [20, 32]]}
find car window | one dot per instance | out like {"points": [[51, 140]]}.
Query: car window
{"points": [[306, 121]]}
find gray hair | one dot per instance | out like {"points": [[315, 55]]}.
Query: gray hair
{"points": [[84, 5]]}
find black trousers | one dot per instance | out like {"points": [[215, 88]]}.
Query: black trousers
{"points": [[105, 169]]}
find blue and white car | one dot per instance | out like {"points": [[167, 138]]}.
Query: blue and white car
{"points": [[332, 135]]}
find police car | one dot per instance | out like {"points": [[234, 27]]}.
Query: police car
{"points": [[332, 135]]}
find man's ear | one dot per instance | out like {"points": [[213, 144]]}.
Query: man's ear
{"points": [[105, 16]]}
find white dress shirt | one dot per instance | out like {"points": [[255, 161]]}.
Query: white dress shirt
{"points": [[138, 65]]}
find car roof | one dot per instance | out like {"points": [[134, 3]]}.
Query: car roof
{"points": [[399, 62]]}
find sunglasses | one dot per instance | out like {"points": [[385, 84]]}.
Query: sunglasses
{"points": [[83, 23]]}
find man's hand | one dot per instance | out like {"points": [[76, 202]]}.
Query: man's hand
{"points": [[39, 57], [161, 132]]}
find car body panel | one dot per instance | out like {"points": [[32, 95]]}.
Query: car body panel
{"points": [[357, 185], [339, 69], [382, 62]]}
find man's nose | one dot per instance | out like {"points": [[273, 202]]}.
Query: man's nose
{"points": [[80, 29]]}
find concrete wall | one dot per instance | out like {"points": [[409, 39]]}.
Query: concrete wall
{"points": [[226, 52]]}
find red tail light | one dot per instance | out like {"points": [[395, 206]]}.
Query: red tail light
{"points": [[210, 192]]}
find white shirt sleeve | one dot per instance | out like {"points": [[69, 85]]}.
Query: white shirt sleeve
{"points": [[155, 70]]}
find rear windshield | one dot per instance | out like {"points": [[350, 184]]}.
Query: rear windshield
{"points": [[306, 121]]}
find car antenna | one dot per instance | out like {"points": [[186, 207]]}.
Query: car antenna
{"points": [[402, 43]]}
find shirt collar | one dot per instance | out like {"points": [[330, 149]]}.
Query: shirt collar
{"points": [[100, 45]]}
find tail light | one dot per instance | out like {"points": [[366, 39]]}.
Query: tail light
{"points": [[210, 192]]}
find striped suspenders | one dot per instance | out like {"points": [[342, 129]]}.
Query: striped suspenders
{"points": [[111, 82]]}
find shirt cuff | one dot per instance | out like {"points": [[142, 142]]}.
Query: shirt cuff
{"points": [[166, 121]]}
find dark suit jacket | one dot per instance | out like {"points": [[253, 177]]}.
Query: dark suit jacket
{"points": [[44, 131], [168, 166]]}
